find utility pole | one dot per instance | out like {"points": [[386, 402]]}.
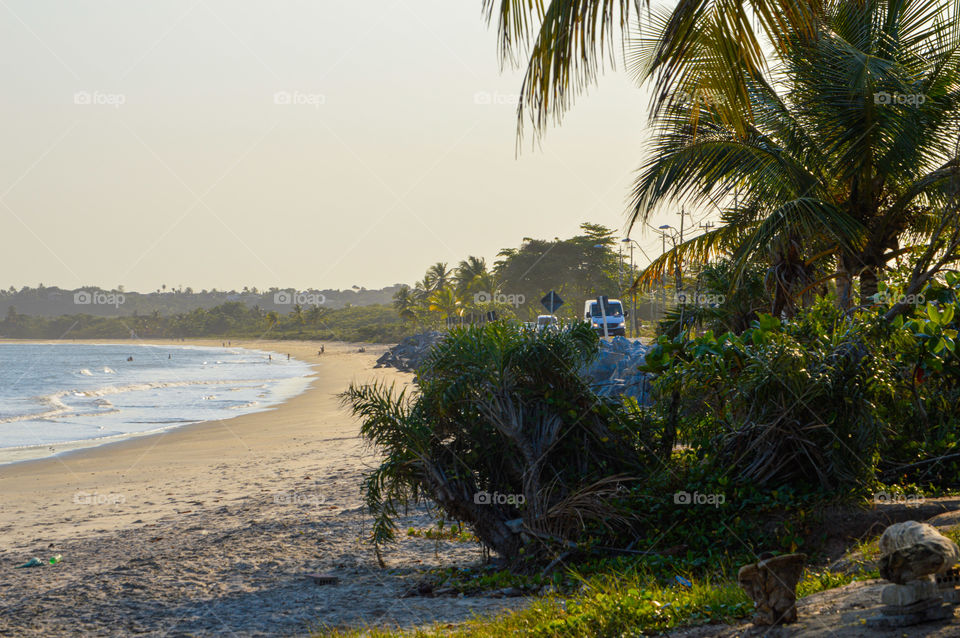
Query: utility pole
{"points": [[620, 270], [633, 293], [678, 272]]}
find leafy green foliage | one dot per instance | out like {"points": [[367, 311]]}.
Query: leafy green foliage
{"points": [[504, 411], [831, 400], [578, 268]]}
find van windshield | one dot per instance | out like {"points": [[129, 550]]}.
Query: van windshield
{"points": [[613, 309]]}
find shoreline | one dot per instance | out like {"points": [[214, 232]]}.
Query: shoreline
{"points": [[213, 528], [26, 454], [188, 443]]}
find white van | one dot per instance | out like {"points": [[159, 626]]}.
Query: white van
{"points": [[616, 317]]}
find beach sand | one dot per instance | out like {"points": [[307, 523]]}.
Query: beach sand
{"points": [[213, 528]]}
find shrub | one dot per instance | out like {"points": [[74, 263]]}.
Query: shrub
{"points": [[504, 411]]}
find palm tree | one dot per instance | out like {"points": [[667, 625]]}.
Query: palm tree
{"points": [[833, 180], [473, 278], [404, 303], [704, 47], [467, 271], [444, 301], [438, 276]]}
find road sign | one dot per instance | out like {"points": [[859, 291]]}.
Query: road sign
{"points": [[552, 302]]}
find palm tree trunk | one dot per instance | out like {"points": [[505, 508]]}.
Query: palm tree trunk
{"points": [[869, 283], [844, 283]]}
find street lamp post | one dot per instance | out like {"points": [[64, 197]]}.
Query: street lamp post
{"points": [[633, 290], [633, 293]]}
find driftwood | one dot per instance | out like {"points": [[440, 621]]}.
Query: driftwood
{"points": [[772, 585]]}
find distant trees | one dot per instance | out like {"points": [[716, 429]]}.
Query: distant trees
{"points": [[232, 319], [581, 267]]}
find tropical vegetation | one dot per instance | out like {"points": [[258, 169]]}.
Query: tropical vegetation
{"points": [[581, 267], [811, 357]]}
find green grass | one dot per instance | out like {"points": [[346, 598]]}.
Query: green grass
{"points": [[617, 605], [457, 533]]}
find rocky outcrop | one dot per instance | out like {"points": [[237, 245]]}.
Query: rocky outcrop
{"points": [[409, 353]]}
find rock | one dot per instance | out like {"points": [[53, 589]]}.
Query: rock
{"points": [[615, 370], [612, 373], [911, 550], [772, 585], [411, 352], [910, 593]]}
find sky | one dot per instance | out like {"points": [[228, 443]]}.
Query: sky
{"points": [[307, 144]]}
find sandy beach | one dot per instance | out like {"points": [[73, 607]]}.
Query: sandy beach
{"points": [[213, 528]]}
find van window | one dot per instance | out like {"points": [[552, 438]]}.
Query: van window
{"points": [[613, 309]]}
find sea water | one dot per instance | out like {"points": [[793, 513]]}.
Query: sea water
{"points": [[80, 394]]}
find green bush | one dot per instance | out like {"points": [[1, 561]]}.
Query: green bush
{"points": [[504, 411], [826, 400]]}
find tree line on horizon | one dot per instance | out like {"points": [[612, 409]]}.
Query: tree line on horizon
{"points": [[51, 301], [581, 267], [374, 323]]}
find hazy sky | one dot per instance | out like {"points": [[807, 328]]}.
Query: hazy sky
{"points": [[145, 143]]}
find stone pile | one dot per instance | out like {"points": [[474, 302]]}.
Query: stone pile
{"points": [[911, 555], [614, 371], [409, 353]]}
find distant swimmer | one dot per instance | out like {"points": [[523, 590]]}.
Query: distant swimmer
{"points": [[169, 356], [129, 358], [270, 356], [288, 356]]}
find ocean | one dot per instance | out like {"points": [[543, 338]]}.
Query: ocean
{"points": [[77, 395]]}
